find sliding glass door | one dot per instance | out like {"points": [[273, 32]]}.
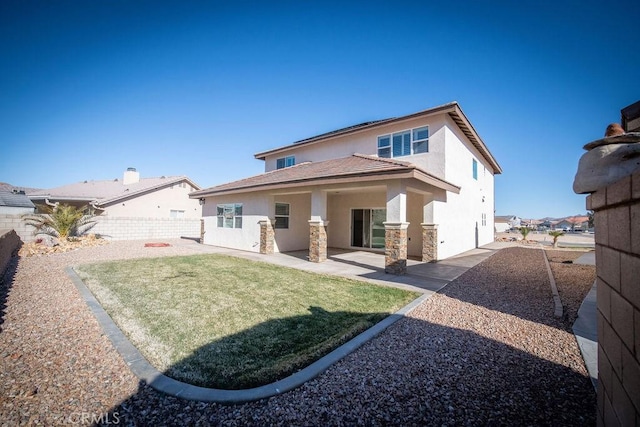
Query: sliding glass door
{"points": [[367, 228]]}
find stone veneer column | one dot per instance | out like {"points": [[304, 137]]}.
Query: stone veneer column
{"points": [[267, 236], [429, 242], [318, 241], [395, 247], [201, 231]]}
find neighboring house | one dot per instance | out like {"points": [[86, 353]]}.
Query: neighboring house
{"points": [[131, 196], [420, 185], [506, 222], [15, 202]]}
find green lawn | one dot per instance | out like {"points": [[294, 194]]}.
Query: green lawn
{"points": [[225, 322]]}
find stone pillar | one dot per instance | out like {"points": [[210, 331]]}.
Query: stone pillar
{"points": [[395, 247], [201, 231], [318, 240], [429, 242], [267, 236]]}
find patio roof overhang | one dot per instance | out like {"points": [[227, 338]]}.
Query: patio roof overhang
{"points": [[346, 171]]}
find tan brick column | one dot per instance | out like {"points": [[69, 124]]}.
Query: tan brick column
{"points": [[395, 247], [318, 241], [267, 236], [429, 242], [617, 235]]}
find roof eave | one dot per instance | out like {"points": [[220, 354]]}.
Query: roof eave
{"points": [[400, 173]]}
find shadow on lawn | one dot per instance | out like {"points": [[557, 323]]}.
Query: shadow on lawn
{"points": [[271, 350], [421, 373]]}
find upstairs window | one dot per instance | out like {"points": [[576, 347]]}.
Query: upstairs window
{"points": [[405, 143], [285, 162], [420, 140], [230, 215], [475, 169], [282, 215]]}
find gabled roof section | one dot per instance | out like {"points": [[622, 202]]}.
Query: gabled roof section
{"points": [[452, 109], [15, 199], [102, 193], [357, 167]]}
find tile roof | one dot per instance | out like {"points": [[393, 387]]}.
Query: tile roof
{"points": [[15, 200], [346, 169], [107, 191]]}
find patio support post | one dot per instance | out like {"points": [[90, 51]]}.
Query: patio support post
{"points": [[429, 242], [395, 229], [267, 236], [318, 226]]}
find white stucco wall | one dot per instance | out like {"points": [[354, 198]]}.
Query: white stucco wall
{"points": [[366, 142], [15, 210], [296, 237], [158, 204], [458, 216], [254, 208]]}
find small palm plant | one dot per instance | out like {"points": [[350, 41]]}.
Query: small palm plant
{"points": [[61, 221], [525, 232], [556, 234]]}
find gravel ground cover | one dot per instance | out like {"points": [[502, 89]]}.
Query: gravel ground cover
{"points": [[485, 351], [573, 281]]}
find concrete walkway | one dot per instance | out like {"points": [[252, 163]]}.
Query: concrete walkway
{"points": [[585, 326], [421, 277]]}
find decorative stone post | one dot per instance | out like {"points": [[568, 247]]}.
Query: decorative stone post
{"points": [[267, 236], [318, 240], [201, 231], [429, 242], [395, 247]]}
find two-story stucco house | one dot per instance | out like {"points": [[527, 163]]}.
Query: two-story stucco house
{"points": [[421, 185]]}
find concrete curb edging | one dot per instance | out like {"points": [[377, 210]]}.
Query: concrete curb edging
{"points": [[160, 382], [558, 310]]}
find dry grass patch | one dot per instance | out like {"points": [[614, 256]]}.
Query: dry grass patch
{"points": [[225, 322]]}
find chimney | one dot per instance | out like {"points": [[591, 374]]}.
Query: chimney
{"points": [[131, 176]]}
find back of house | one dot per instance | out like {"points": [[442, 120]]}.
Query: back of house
{"points": [[420, 185]]}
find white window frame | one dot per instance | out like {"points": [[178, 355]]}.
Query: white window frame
{"points": [[474, 171], [386, 142], [286, 162], [229, 215], [286, 218]]}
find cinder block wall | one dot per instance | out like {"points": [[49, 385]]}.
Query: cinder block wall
{"points": [[119, 228], [617, 235], [9, 244], [123, 228], [14, 222]]}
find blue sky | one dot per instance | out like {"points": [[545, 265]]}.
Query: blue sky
{"points": [[88, 89]]}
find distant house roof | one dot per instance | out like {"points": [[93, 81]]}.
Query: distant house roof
{"points": [[342, 170], [105, 192], [15, 199], [504, 218], [452, 109]]}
